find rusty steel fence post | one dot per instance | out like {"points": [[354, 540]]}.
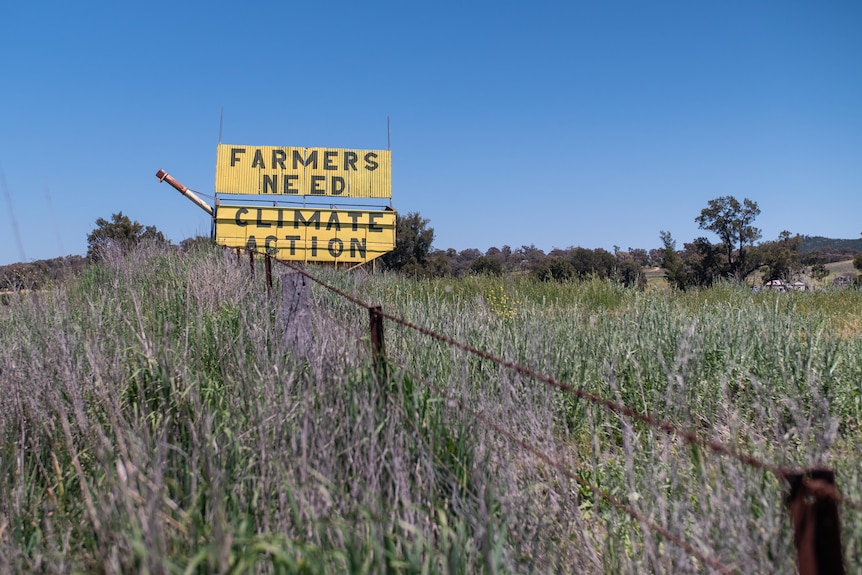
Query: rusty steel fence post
{"points": [[251, 262], [378, 348], [268, 267], [813, 504]]}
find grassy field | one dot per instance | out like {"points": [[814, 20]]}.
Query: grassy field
{"points": [[844, 268], [152, 420], [655, 276]]}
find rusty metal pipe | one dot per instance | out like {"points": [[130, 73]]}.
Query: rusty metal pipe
{"points": [[163, 176]]}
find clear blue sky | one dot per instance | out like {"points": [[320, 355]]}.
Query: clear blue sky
{"points": [[557, 124]]}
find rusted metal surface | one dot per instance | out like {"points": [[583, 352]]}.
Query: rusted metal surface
{"points": [[813, 503], [378, 348], [268, 267], [163, 176]]}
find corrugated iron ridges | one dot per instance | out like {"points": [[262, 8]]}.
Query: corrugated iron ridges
{"points": [[307, 234], [331, 172]]}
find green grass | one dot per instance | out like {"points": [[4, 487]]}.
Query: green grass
{"points": [[152, 420]]}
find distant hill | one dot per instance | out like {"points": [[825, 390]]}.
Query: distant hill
{"points": [[829, 249], [814, 243]]}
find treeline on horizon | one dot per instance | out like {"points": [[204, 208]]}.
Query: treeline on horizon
{"points": [[698, 264]]}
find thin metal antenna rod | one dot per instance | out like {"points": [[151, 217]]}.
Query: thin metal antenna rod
{"points": [[389, 147]]}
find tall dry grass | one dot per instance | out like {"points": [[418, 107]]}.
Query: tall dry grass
{"points": [[152, 420]]}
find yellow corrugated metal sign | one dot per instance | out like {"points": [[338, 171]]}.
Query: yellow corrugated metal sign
{"points": [[307, 234], [290, 171]]}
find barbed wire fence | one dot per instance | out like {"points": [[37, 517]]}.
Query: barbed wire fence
{"points": [[812, 497]]}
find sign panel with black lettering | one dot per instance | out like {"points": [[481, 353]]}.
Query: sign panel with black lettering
{"points": [[289, 171], [307, 234]]}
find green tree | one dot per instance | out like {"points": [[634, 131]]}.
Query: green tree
{"points": [[779, 259], [703, 262], [628, 270], [438, 265], [527, 257], [675, 272], [413, 239], [630, 274], [592, 263], [819, 271], [641, 256], [121, 232], [733, 223], [486, 265], [857, 261], [553, 268]]}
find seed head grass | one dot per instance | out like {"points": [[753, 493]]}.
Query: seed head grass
{"points": [[153, 419]]}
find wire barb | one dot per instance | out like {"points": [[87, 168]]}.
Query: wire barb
{"points": [[690, 437]]}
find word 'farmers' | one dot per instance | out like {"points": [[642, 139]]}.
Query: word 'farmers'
{"points": [[303, 171], [331, 160], [292, 182]]}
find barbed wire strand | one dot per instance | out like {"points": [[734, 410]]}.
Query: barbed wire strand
{"points": [[689, 548], [355, 331], [436, 457], [690, 437]]}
